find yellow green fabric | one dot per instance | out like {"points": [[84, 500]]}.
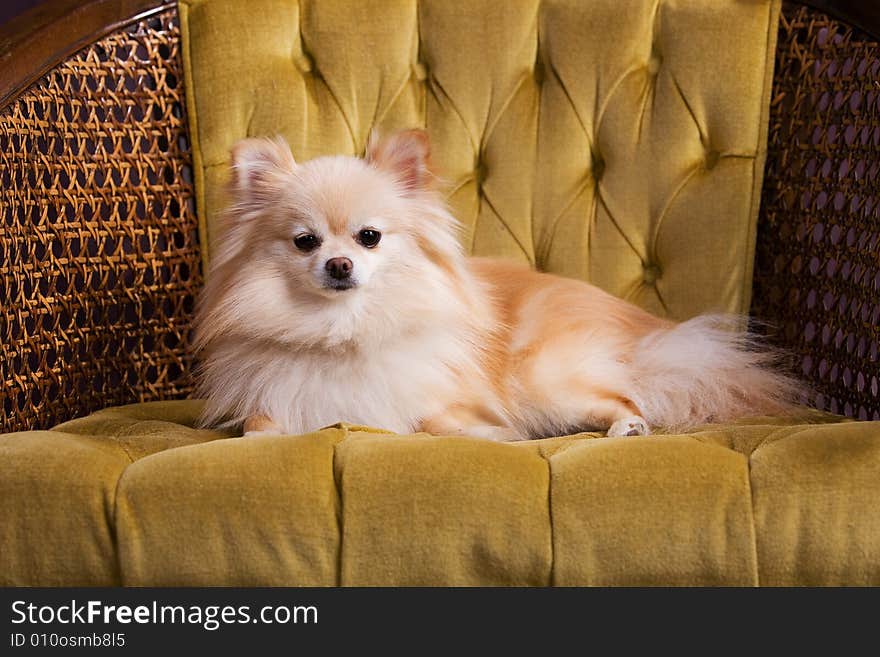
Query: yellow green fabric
{"points": [[136, 496], [621, 147]]}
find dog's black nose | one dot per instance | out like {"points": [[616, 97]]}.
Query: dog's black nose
{"points": [[339, 268]]}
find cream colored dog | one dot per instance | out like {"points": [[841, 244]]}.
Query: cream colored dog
{"points": [[339, 291]]}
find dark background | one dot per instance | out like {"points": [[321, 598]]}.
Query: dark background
{"points": [[10, 8]]}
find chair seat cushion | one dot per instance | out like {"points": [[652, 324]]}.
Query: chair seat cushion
{"points": [[136, 495]]}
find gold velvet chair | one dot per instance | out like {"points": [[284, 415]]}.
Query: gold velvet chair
{"points": [[689, 156]]}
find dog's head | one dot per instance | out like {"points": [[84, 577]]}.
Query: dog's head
{"points": [[331, 236], [333, 221]]}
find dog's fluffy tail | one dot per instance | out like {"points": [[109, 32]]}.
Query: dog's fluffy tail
{"points": [[708, 369]]}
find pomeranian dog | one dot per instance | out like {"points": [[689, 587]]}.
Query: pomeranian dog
{"points": [[339, 291]]}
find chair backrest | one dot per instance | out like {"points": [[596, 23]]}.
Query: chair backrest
{"points": [[618, 142]]}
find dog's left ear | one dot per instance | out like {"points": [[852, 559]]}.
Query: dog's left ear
{"points": [[405, 154]]}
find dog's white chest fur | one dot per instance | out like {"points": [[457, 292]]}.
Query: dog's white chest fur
{"points": [[392, 388]]}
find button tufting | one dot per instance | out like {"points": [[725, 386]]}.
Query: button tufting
{"points": [[598, 167], [539, 72], [420, 71], [650, 273], [654, 63], [480, 173], [304, 62], [712, 157]]}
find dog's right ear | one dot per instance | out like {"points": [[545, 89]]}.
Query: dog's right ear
{"points": [[405, 154], [258, 161]]}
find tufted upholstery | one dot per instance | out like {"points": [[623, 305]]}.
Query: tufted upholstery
{"points": [[151, 501], [591, 139]]}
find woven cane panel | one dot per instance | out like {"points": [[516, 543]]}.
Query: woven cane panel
{"points": [[817, 275], [99, 260]]}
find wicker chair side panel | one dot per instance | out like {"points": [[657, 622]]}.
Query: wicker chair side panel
{"points": [[817, 270], [99, 251]]}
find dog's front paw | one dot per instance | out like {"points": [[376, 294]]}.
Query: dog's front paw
{"points": [[260, 425], [629, 426], [261, 432]]}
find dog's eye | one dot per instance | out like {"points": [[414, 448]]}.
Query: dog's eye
{"points": [[306, 242], [369, 238]]}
